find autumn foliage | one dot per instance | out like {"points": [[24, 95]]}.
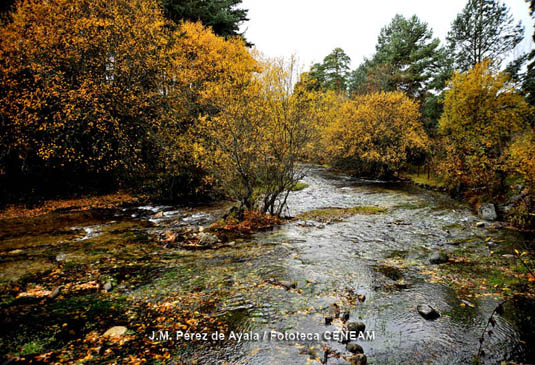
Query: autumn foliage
{"points": [[482, 113], [521, 162], [106, 91], [254, 140], [111, 93], [376, 132], [81, 86]]}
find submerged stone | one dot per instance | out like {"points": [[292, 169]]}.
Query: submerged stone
{"points": [[427, 312], [438, 257], [359, 359], [116, 331], [354, 348], [356, 327], [108, 286], [487, 211], [207, 239], [55, 292]]}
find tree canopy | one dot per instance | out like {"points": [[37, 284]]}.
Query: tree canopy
{"points": [[223, 16], [332, 73], [407, 59], [484, 29], [482, 113]]}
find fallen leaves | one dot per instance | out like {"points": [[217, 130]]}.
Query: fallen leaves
{"points": [[94, 202]]}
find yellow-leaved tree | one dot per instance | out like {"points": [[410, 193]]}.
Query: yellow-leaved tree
{"points": [[482, 112], [81, 88], [254, 141], [521, 163], [375, 133], [202, 65]]}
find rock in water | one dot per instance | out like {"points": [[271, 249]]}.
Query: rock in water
{"points": [[487, 211], [207, 239], [427, 312], [356, 327], [116, 331], [54, 293], [354, 348], [438, 257], [359, 359]]}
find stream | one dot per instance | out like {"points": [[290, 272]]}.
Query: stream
{"points": [[383, 257]]}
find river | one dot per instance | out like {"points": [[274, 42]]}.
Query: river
{"points": [[286, 280]]}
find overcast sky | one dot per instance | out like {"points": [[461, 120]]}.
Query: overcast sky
{"points": [[311, 29]]}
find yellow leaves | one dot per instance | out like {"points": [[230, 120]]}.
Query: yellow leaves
{"points": [[482, 111], [377, 128]]}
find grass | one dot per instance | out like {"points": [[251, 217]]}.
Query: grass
{"points": [[433, 181], [300, 186], [338, 214]]}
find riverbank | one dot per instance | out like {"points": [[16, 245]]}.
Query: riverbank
{"points": [[107, 201], [94, 285]]}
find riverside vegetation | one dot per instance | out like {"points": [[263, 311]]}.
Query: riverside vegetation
{"points": [[108, 108]]}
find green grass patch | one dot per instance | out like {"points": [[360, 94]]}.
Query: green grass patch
{"points": [[300, 186], [338, 214], [500, 279], [433, 181]]}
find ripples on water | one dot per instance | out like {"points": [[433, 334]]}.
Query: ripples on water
{"points": [[327, 262]]}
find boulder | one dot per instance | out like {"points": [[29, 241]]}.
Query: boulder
{"points": [[358, 359], [354, 348], [54, 293], [207, 239], [356, 327], [108, 286], [427, 312], [116, 331], [438, 257], [487, 211]]}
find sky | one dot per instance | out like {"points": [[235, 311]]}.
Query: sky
{"points": [[311, 29]]}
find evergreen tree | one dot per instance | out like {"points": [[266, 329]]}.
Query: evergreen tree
{"points": [[407, 59], [223, 16], [484, 29], [529, 79], [333, 72]]}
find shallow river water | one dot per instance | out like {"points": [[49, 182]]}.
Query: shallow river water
{"points": [[381, 256]]}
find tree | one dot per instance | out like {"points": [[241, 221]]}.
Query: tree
{"points": [[223, 16], [371, 77], [81, 89], [5, 7], [483, 30], [332, 73], [201, 62], [408, 46], [521, 162], [108, 92], [529, 78], [407, 59], [253, 142], [376, 132], [482, 112]]}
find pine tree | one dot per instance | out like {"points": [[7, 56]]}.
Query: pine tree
{"points": [[484, 29]]}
